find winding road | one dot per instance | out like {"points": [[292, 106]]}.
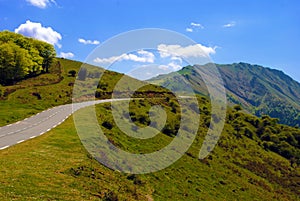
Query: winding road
{"points": [[40, 123]]}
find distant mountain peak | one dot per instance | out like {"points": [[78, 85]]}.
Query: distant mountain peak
{"points": [[260, 90]]}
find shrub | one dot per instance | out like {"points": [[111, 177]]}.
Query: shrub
{"points": [[171, 129], [72, 73], [107, 125], [249, 133], [36, 94], [144, 120], [237, 108], [136, 180]]}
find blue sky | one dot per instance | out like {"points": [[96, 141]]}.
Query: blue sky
{"points": [[263, 32]]}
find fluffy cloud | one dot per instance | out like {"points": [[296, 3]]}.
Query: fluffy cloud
{"points": [[41, 3], [196, 50], [107, 60], [189, 30], [174, 66], [88, 42], [147, 71], [231, 24], [149, 56], [143, 56], [170, 67], [66, 55], [36, 30]]}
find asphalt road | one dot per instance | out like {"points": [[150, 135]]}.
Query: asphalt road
{"points": [[40, 123]]}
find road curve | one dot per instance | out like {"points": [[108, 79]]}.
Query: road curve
{"points": [[40, 123]]}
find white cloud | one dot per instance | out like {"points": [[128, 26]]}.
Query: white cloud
{"points": [[66, 55], [132, 57], [189, 30], [149, 56], [36, 30], [193, 24], [231, 24], [88, 42], [41, 3], [174, 66], [143, 56], [196, 50], [107, 60], [194, 27]]}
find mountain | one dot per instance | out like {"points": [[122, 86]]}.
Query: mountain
{"points": [[260, 90]]}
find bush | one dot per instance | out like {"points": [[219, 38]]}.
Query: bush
{"points": [[136, 180], [249, 133], [36, 94], [237, 108], [144, 120], [72, 73], [171, 129], [107, 125]]}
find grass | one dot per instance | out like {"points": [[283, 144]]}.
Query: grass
{"points": [[56, 166], [33, 95], [53, 89]]}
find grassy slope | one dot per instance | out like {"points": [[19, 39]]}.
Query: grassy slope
{"points": [[55, 89], [56, 166], [48, 168], [21, 103]]}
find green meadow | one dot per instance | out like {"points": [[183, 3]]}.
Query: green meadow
{"points": [[255, 158]]}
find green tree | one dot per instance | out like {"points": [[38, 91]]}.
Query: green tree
{"points": [[14, 63], [22, 57], [47, 52]]}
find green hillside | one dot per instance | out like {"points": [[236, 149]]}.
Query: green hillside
{"points": [[38, 93], [35, 94], [244, 165], [255, 158], [260, 90]]}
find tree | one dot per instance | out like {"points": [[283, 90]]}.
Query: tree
{"points": [[14, 63], [22, 57], [47, 52], [72, 73]]}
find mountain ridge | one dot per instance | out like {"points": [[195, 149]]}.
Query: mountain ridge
{"points": [[260, 90]]}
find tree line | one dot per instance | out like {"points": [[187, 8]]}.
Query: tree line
{"points": [[22, 57]]}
